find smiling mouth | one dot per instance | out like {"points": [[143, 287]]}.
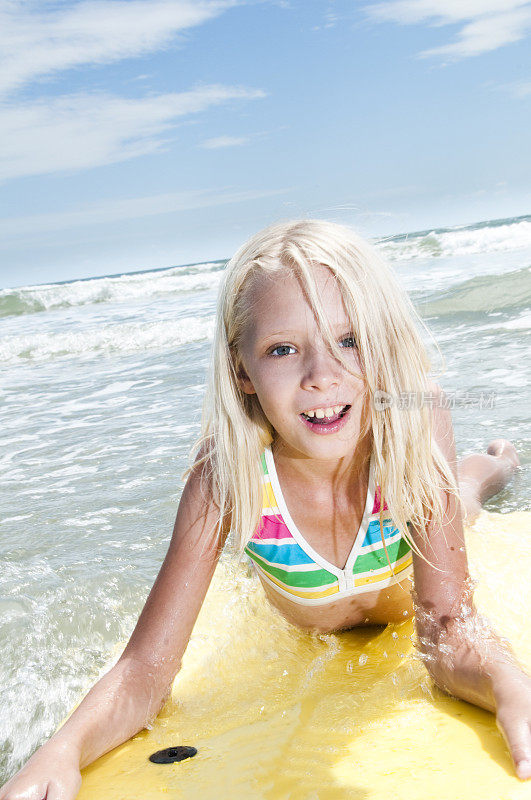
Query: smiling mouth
{"points": [[320, 417]]}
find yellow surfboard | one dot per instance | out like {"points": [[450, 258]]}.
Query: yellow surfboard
{"points": [[278, 713]]}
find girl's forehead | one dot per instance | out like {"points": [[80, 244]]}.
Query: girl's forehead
{"points": [[287, 283], [279, 299]]}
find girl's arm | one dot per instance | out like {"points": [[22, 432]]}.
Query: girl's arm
{"points": [[132, 693], [460, 650]]}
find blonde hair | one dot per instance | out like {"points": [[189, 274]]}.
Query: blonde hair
{"points": [[409, 466]]}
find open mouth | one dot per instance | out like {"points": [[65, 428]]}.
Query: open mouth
{"points": [[325, 416]]}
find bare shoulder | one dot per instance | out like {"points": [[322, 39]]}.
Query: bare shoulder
{"points": [[198, 515], [441, 419], [436, 394]]}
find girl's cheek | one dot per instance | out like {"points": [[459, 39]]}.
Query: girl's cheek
{"points": [[273, 375]]}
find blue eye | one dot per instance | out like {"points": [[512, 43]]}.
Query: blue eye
{"points": [[348, 341], [282, 350]]}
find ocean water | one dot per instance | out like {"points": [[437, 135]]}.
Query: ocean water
{"points": [[100, 396]]}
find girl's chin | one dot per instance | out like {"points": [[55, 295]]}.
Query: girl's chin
{"points": [[318, 446]]}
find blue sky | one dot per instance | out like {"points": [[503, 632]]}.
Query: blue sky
{"points": [[145, 133]]}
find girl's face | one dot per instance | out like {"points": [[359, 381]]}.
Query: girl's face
{"points": [[313, 403]]}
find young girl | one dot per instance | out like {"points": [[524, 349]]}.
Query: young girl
{"points": [[340, 492]]}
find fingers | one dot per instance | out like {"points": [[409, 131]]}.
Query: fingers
{"points": [[19, 789], [56, 792], [523, 770], [13, 790], [517, 734], [64, 791]]}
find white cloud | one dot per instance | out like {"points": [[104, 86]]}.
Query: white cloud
{"points": [[440, 11], [224, 141], [485, 24], [486, 34], [112, 211], [522, 89], [82, 131], [518, 89], [41, 38]]}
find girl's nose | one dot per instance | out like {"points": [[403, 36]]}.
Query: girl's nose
{"points": [[322, 370]]}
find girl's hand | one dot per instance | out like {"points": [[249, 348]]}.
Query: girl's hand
{"points": [[513, 716], [50, 774]]}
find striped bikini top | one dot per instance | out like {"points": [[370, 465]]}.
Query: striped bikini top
{"points": [[285, 560]]}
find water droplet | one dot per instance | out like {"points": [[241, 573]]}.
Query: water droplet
{"points": [[394, 635], [363, 659]]}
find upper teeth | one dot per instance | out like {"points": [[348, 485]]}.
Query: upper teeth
{"points": [[320, 413]]}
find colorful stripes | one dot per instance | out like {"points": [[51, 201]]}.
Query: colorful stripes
{"points": [[377, 577], [288, 563], [305, 594]]}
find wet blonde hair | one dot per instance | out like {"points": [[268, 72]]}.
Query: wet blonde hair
{"points": [[409, 466]]}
